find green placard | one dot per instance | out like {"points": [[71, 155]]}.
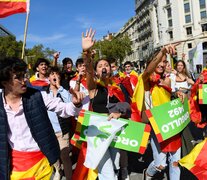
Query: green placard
{"points": [[133, 137], [169, 119]]}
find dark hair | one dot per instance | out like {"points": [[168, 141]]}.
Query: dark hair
{"points": [[79, 61], [185, 71], [113, 60], [8, 66], [40, 60], [128, 62], [53, 69], [96, 63], [66, 60]]}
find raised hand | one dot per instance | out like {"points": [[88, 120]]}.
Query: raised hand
{"points": [[171, 48], [87, 39], [56, 55]]}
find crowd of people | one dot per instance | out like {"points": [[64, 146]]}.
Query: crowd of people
{"points": [[38, 115]]}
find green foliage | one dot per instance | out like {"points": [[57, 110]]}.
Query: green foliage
{"points": [[117, 47], [9, 47]]}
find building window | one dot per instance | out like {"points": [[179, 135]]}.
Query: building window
{"points": [[202, 4], [169, 13], [203, 15], [189, 30], [204, 45], [170, 22], [167, 2], [170, 34], [204, 27], [187, 7], [189, 45], [187, 18]]}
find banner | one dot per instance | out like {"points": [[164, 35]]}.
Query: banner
{"points": [[132, 137], [9, 7], [196, 57], [169, 119], [202, 93], [100, 133]]}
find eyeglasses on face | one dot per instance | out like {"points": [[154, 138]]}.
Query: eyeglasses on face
{"points": [[21, 76]]}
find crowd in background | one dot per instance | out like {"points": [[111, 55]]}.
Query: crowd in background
{"points": [[100, 86]]}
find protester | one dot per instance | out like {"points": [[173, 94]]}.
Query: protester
{"points": [[67, 72], [198, 111], [128, 66], [26, 134], [104, 94], [78, 83], [154, 89], [60, 125], [183, 80], [39, 80], [169, 72], [124, 82]]}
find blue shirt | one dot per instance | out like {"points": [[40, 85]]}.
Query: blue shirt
{"points": [[66, 96]]}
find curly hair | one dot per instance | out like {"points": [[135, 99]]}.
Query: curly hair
{"points": [[8, 66]]}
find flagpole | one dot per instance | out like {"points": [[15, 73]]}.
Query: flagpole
{"points": [[25, 35]]}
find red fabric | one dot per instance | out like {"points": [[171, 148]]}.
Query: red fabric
{"points": [[22, 161], [81, 171], [200, 168], [39, 83], [155, 80], [83, 81], [136, 114], [115, 91], [195, 114], [8, 8], [172, 144], [133, 76], [133, 79]]}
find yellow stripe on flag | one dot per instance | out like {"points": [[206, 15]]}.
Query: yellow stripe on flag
{"points": [[41, 170], [145, 139], [79, 124], [188, 161], [154, 125]]}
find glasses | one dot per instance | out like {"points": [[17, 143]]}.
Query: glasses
{"points": [[21, 76]]}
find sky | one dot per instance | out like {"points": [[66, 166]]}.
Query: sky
{"points": [[58, 24]]}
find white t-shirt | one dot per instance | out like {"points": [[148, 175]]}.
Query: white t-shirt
{"points": [[86, 100]]}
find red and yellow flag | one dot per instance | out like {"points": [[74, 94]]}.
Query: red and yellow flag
{"points": [[9, 7], [196, 161]]}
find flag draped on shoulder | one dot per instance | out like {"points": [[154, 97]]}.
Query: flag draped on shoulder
{"points": [[196, 161], [9, 7]]}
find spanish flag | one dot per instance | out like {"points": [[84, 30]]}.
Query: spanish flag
{"points": [[30, 166], [9, 7], [196, 161]]}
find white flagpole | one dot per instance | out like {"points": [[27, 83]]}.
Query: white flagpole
{"points": [[25, 29]]}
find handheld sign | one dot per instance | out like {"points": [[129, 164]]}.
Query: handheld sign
{"points": [[169, 119], [202, 93], [132, 137]]}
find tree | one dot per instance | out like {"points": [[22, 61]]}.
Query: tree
{"points": [[9, 47], [117, 47]]}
